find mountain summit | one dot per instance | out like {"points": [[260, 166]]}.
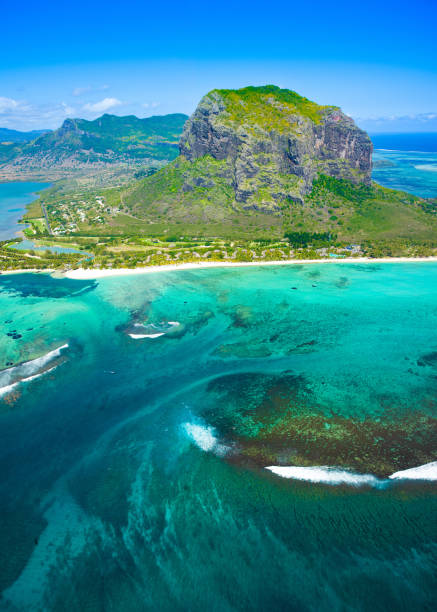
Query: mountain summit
{"points": [[274, 142], [260, 157]]}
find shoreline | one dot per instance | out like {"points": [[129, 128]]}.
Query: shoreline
{"points": [[94, 273], [85, 274]]}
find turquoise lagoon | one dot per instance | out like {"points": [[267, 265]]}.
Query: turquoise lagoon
{"points": [[407, 162], [13, 200], [412, 171], [133, 455]]}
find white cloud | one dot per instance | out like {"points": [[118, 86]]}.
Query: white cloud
{"points": [[402, 123], [68, 110], [20, 115], [423, 117], [79, 91], [150, 104], [7, 104], [102, 106]]}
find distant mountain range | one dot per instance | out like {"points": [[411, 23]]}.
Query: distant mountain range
{"points": [[104, 141], [8, 136]]}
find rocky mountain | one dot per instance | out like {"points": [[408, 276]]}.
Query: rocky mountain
{"points": [[274, 143], [257, 148], [106, 140], [264, 162]]}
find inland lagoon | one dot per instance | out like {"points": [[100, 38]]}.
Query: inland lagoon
{"points": [[220, 439]]}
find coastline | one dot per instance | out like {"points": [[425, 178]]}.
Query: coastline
{"points": [[85, 274], [94, 273], [30, 271]]}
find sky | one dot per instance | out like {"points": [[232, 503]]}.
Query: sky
{"points": [[375, 59]]}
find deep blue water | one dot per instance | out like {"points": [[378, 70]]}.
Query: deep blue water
{"points": [[13, 200], [407, 162], [425, 142], [133, 473]]}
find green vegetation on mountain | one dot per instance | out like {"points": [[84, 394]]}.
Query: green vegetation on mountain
{"points": [[353, 213], [106, 140], [263, 174], [266, 162], [248, 105], [155, 137], [274, 143]]}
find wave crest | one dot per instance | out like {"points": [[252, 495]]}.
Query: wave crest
{"points": [[138, 331], [205, 438], [325, 475], [428, 471], [336, 476], [28, 370]]}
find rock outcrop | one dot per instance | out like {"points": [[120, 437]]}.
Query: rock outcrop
{"points": [[273, 143]]}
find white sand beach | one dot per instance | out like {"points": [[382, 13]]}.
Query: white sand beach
{"points": [[95, 273], [83, 274]]}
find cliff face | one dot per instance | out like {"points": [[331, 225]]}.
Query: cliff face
{"points": [[273, 143]]}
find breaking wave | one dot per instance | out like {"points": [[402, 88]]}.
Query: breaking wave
{"points": [[336, 476], [139, 336], [325, 475], [426, 167], [205, 438], [428, 471], [28, 370], [138, 331]]}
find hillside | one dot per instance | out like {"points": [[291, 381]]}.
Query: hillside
{"points": [[266, 161], [105, 141]]}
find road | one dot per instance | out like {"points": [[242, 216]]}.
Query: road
{"points": [[47, 219]]}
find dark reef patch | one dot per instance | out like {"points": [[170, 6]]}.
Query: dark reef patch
{"points": [[370, 268], [44, 286], [342, 282], [430, 359], [314, 274], [242, 316], [274, 419]]}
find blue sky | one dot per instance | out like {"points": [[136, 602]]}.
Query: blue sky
{"points": [[378, 60]]}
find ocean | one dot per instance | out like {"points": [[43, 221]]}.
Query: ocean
{"points": [[407, 162], [229, 439], [136, 433]]}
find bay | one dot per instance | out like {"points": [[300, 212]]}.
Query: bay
{"points": [[13, 200]]}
